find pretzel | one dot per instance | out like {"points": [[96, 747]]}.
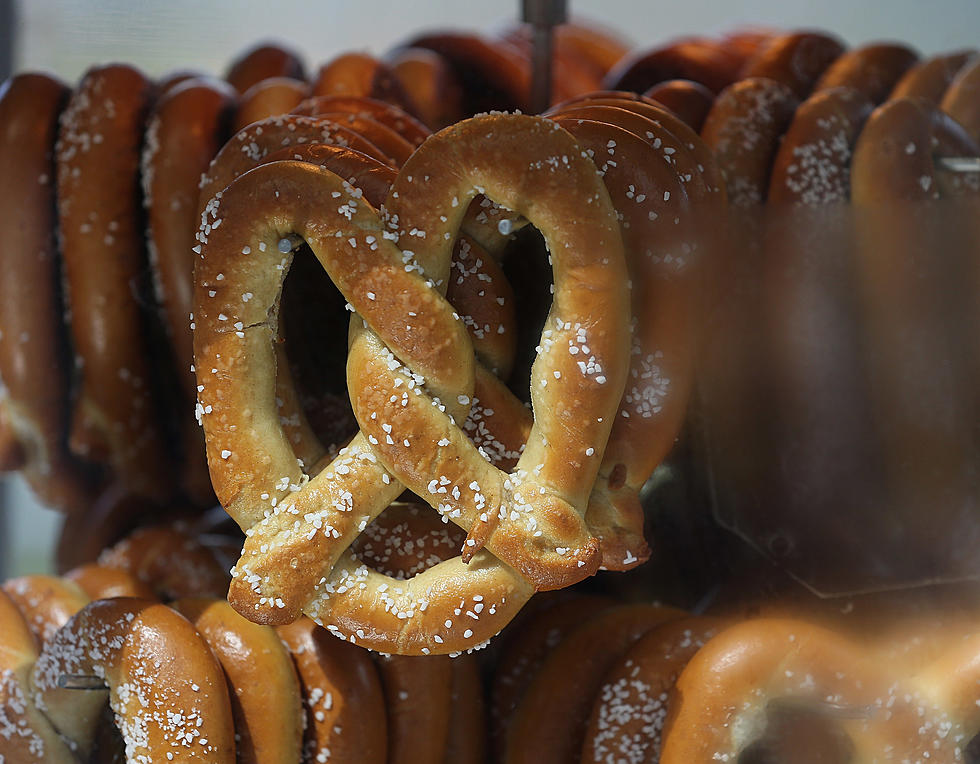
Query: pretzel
{"points": [[467, 740], [100, 582], [448, 375], [691, 101], [700, 59], [631, 706], [26, 736], [396, 148], [35, 404], [743, 130], [359, 75], [170, 561], [262, 62], [549, 723], [269, 98], [342, 694], [726, 689], [797, 60], [813, 163], [45, 602], [115, 417], [165, 687], [264, 689], [961, 99], [871, 69], [418, 698], [398, 120], [184, 131], [430, 84], [930, 78]]}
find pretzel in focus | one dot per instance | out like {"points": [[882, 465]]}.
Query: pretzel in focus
{"points": [[267, 585]]}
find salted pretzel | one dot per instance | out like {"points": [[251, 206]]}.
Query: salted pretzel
{"points": [[743, 130], [543, 730], [359, 75], [100, 582], [418, 700], [813, 163], [499, 589], [734, 687], [872, 69], [45, 602], [115, 417], [689, 100], [165, 687], [631, 705], [430, 84], [962, 98], [403, 123], [343, 698], [262, 62], [700, 59], [170, 561], [268, 98], [930, 78], [34, 356], [797, 60], [266, 703], [27, 736]]}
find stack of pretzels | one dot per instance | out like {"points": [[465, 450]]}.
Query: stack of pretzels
{"points": [[323, 303]]}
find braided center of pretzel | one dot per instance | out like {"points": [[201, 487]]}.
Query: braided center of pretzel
{"points": [[411, 373]]}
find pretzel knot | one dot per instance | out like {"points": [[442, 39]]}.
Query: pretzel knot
{"points": [[411, 371]]}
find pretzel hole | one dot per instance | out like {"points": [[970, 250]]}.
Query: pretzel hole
{"points": [[313, 325], [799, 736]]}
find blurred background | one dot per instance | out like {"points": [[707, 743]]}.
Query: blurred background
{"points": [[66, 37]]}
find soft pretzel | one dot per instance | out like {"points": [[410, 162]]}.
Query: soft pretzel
{"points": [[743, 130], [430, 84], [962, 98], [418, 698], [100, 582], [115, 418], [549, 723], [813, 163], [631, 705], [185, 129], [342, 694], [269, 98], [797, 60], [26, 736], [467, 740], [871, 69], [700, 59], [725, 691], [396, 148], [498, 587], [403, 123], [45, 602], [264, 690], [165, 687], [170, 561], [262, 62], [34, 356], [359, 75], [931, 77], [691, 101]]}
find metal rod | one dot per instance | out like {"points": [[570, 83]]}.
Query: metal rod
{"points": [[81, 682], [960, 164], [543, 16]]}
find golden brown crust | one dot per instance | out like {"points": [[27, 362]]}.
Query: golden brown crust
{"points": [[359, 75], [467, 740], [35, 407], [549, 723], [418, 698], [962, 98], [262, 62], [813, 164], [27, 737], [166, 688], [403, 123], [45, 602], [264, 690], [430, 84], [931, 77], [345, 704], [700, 59], [115, 418], [871, 69], [743, 130], [691, 101], [796, 60], [269, 98], [100, 582]]}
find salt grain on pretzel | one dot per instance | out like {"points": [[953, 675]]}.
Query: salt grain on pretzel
{"points": [[165, 687], [34, 355], [871, 69], [26, 735], [496, 586], [99, 220], [263, 686]]}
